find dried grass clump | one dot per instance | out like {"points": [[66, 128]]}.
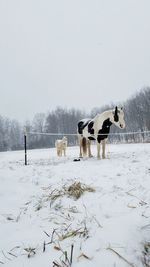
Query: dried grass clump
{"points": [[30, 251], [53, 195], [74, 190], [77, 189], [146, 254], [81, 232]]}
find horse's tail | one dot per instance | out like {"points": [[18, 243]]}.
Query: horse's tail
{"points": [[84, 146]]}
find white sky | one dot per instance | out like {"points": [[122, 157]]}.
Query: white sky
{"points": [[71, 53]]}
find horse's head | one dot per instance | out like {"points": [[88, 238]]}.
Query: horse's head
{"points": [[118, 118], [64, 140]]}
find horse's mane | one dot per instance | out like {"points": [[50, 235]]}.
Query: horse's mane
{"points": [[102, 114], [100, 118]]}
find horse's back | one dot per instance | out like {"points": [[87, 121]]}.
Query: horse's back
{"points": [[57, 142], [82, 124]]}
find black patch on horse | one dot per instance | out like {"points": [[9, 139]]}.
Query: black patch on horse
{"points": [[104, 131], [82, 125], [90, 127], [91, 138], [116, 117]]}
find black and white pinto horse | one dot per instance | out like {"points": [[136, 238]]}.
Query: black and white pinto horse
{"points": [[98, 129]]}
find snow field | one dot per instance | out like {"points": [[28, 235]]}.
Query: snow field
{"points": [[115, 216]]}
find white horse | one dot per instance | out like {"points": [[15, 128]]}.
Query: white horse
{"points": [[61, 145], [98, 129]]}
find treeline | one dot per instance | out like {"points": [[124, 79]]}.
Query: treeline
{"points": [[137, 117], [60, 120], [10, 134]]}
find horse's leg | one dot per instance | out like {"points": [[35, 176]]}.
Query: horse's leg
{"points": [[103, 148], [89, 149], [98, 150], [80, 144]]}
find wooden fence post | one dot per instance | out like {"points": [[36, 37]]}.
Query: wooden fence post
{"points": [[25, 146]]}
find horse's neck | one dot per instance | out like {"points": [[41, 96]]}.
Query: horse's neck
{"points": [[100, 118]]}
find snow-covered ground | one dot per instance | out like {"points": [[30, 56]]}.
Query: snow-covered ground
{"points": [[113, 219]]}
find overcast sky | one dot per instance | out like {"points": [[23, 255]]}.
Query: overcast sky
{"points": [[71, 53]]}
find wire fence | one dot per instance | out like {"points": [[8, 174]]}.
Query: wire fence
{"points": [[131, 136], [73, 134], [46, 140], [126, 137], [37, 140]]}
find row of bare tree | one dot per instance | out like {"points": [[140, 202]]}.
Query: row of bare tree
{"points": [[60, 120]]}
